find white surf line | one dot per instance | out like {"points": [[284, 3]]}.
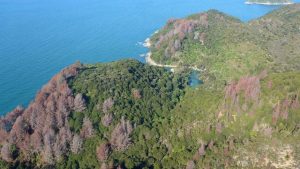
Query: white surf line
{"points": [[150, 61]]}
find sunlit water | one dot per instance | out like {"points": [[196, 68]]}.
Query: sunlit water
{"points": [[40, 37]]}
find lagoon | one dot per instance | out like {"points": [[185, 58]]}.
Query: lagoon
{"points": [[40, 37]]}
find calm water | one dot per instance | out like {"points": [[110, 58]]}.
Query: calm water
{"points": [[194, 80], [40, 37]]}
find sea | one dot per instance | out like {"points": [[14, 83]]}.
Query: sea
{"points": [[38, 38]]}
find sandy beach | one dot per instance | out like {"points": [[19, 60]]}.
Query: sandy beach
{"points": [[148, 58], [150, 61]]}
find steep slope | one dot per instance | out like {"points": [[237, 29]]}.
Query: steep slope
{"points": [[126, 102], [88, 106], [253, 123], [126, 114], [129, 115], [225, 48], [40, 133], [280, 36]]}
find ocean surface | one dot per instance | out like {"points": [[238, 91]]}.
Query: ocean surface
{"points": [[40, 37]]}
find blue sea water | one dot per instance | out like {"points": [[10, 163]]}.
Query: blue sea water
{"points": [[40, 37]]}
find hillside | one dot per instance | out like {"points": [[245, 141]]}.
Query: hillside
{"points": [[127, 114], [225, 48], [280, 35], [84, 108], [253, 123]]}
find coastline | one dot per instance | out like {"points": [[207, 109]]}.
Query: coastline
{"points": [[151, 62], [147, 43], [268, 3]]}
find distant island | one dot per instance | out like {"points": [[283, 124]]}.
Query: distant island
{"points": [[270, 2]]}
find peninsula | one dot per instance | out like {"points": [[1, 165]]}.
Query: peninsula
{"points": [[131, 115]]}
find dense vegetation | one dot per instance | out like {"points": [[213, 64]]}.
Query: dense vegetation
{"points": [[252, 125], [124, 92], [226, 48], [127, 114], [95, 119]]}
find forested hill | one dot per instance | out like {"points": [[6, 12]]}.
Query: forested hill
{"points": [[127, 114], [227, 48], [89, 114]]}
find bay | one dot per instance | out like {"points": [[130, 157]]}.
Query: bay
{"points": [[40, 37]]}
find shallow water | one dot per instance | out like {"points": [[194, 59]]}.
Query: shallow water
{"points": [[194, 80], [40, 37]]}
